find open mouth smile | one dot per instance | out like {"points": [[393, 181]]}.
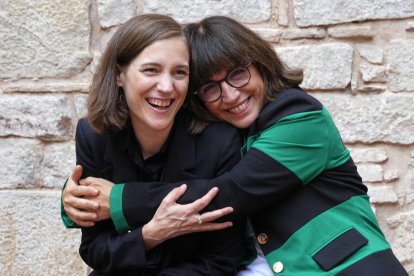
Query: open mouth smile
{"points": [[241, 107], [160, 103]]}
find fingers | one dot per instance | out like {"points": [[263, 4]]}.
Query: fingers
{"points": [[174, 195], [216, 214], [212, 226], [77, 173], [201, 203], [82, 204], [81, 217], [84, 191]]}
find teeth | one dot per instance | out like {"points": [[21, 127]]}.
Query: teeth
{"points": [[239, 107], [159, 102]]}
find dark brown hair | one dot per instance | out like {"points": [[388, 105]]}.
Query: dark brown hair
{"points": [[219, 43], [107, 107]]}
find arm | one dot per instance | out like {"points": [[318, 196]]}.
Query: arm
{"points": [[285, 156]]}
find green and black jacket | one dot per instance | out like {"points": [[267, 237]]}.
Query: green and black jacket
{"points": [[299, 186]]}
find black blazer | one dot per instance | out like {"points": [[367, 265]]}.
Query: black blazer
{"points": [[189, 157]]}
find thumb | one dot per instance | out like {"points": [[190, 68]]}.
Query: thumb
{"points": [[77, 173]]}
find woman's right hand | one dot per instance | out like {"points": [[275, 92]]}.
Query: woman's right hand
{"points": [[80, 210], [173, 220]]}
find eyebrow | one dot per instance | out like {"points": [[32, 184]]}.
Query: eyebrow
{"points": [[157, 64]]}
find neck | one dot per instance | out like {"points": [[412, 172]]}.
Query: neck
{"points": [[150, 140]]}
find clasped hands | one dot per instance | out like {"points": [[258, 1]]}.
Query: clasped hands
{"points": [[88, 202]]}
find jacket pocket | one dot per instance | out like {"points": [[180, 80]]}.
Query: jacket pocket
{"points": [[339, 249]]}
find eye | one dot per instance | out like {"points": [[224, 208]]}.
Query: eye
{"points": [[209, 88], [180, 74], [237, 74], [150, 71]]}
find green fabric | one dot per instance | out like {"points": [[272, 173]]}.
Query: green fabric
{"points": [[67, 222], [116, 209], [296, 254], [293, 142]]}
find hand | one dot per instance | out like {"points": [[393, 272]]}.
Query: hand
{"points": [[173, 220], [104, 186], [75, 200]]}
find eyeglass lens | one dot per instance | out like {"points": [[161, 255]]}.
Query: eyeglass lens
{"points": [[236, 78]]}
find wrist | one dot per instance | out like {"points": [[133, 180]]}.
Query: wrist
{"points": [[150, 237]]}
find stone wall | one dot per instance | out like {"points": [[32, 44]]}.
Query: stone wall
{"points": [[358, 59]]}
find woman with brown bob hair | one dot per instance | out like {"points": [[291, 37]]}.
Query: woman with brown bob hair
{"points": [[137, 130]]}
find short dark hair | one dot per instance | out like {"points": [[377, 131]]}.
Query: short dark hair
{"points": [[219, 43], [107, 107]]}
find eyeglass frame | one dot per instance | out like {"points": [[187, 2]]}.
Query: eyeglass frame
{"points": [[225, 79]]}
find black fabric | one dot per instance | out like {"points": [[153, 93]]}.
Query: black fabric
{"points": [[339, 249], [382, 263], [187, 157]]}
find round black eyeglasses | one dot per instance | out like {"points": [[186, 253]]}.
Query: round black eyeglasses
{"points": [[237, 77]]}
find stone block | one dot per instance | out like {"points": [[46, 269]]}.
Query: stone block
{"points": [[115, 12], [47, 118], [33, 238], [44, 38], [401, 59], [402, 224], [371, 172], [373, 73], [326, 12], [391, 175], [382, 194], [21, 160], [326, 66], [271, 35], [57, 165], [371, 53], [370, 118], [368, 155], [351, 32], [246, 11]]}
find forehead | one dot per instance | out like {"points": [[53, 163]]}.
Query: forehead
{"points": [[171, 50]]}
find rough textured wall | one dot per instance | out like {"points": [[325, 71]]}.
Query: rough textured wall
{"points": [[358, 58]]}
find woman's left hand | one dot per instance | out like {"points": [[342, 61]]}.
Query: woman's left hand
{"points": [[173, 220], [104, 186]]}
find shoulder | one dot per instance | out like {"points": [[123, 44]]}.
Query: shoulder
{"points": [[289, 102], [84, 132]]}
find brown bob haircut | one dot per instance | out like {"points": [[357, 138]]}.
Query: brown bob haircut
{"points": [[219, 43], [107, 107]]}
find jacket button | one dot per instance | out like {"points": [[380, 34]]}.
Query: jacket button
{"points": [[262, 238], [278, 267]]}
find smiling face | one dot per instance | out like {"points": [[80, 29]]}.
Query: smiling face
{"points": [[155, 84], [239, 106]]}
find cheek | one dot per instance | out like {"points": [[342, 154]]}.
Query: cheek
{"points": [[213, 108]]}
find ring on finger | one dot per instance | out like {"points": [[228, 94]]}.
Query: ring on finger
{"points": [[200, 221]]}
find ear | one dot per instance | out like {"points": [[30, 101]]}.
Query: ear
{"points": [[119, 75]]}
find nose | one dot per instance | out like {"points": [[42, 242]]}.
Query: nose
{"points": [[165, 83], [229, 93]]}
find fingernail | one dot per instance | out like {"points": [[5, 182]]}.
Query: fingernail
{"points": [[95, 191]]}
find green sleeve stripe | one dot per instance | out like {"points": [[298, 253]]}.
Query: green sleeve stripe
{"points": [[67, 222], [354, 213], [294, 143], [116, 209], [306, 143]]}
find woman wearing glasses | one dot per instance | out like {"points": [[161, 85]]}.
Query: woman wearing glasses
{"points": [[297, 182]]}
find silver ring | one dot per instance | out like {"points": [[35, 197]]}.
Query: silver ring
{"points": [[199, 219]]}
